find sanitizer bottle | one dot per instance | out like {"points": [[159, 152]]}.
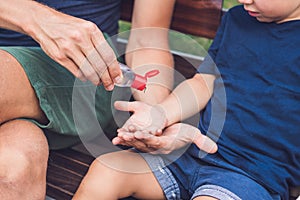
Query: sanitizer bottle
{"points": [[136, 81]]}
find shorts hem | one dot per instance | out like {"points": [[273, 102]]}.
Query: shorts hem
{"points": [[215, 191]]}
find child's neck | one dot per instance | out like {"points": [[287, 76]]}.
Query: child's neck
{"points": [[292, 17]]}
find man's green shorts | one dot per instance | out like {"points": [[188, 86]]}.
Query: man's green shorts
{"points": [[72, 107]]}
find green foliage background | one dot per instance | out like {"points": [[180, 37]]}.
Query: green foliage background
{"points": [[230, 3]]}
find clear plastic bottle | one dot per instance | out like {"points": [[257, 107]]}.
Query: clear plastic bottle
{"points": [[130, 79]]}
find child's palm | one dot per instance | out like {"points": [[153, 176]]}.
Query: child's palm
{"points": [[144, 118]]}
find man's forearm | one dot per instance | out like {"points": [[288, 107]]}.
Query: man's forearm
{"points": [[159, 86], [148, 47], [17, 14]]}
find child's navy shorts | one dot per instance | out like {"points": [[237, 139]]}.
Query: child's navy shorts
{"points": [[190, 176]]}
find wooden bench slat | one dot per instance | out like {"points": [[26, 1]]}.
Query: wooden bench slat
{"points": [[55, 192], [185, 66], [61, 182], [68, 164], [66, 169], [80, 157], [195, 17]]}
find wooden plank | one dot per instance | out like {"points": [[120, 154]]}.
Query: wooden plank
{"points": [[61, 184], [81, 158], [195, 17], [126, 10], [56, 193], [66, 169], [69, 164], [186, 66]]}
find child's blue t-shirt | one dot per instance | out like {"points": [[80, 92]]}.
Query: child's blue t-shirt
{"points": [[104, 13], [259, 65]]}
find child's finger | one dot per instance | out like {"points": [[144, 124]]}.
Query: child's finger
{"points": [[126, 106], [205, 143]]}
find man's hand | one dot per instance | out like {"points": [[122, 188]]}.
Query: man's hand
{"points": [[76, 44]]}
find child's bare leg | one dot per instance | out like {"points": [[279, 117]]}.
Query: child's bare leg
{"points": [[118, 175]]}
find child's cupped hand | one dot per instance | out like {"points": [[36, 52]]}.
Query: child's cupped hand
{"points": [[174, 137], [145, 118], [145, 130]]}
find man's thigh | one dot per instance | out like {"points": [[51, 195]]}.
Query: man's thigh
{"points": [[17, 97]]}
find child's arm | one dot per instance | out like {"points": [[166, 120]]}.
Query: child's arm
{"points": [[188, 98]]}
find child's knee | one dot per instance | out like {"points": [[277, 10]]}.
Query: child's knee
{"points": [[111, 166]]}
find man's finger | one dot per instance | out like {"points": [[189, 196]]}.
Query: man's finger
{"points": [[107, 54], [150, 140], [117, 141]]}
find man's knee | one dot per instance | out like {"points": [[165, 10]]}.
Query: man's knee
{"points": [[23, 160], [14, 166], [20, 174], [24, 151]]}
